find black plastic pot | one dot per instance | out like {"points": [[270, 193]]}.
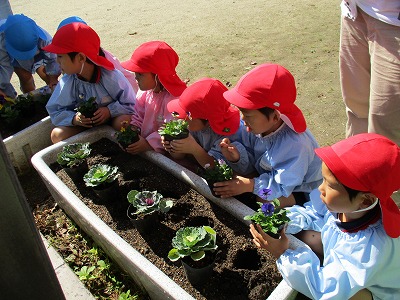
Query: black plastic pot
{"points": [[144, 224], [180, 136], [211, 186], [198, 276], [107, 192], [125, 145], [278, 234]]}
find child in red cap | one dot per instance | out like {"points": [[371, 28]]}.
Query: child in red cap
{"points": [[360, 236], [279, 145], [210, 117], [21, 51], [154, 65], [86, 74], [107, 54]]}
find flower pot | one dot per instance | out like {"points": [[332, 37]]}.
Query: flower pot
{"points": [[211, 186], [199, 272], [144, 224], [77, 172], [278, 234], [107, 192], [180, 136], [125, 145]]}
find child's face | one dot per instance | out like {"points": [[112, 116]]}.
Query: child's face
{"points": [[146, 81], [334, 195], [257, 122], [196, 124], [67, 65]]}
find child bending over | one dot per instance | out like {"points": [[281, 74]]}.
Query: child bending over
{"points": [[210, 117], [279, 145]]}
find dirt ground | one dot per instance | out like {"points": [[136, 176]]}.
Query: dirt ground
{"points": [[224, 39]]}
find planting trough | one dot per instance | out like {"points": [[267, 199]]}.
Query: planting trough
{"points": [[25, 143], [149, 277], [22, 145]]}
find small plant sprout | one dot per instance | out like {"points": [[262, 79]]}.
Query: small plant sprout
{"points": [[220, 172], [73, 154], [270, 217], [176, 128], [88, 108], [193, 242], [128, 134], [147, 202], [100, 174]]}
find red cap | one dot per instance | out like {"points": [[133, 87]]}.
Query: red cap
{"points": [[78, 37], [368, 162], [204, 100], [269, 85], [159, 58]]}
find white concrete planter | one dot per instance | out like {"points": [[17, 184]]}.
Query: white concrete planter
{"points": [[25, 143], [156, 283], [22, 145]]}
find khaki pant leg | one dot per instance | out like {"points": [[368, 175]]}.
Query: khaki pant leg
{"points": [[384, 109], [354, 64]]}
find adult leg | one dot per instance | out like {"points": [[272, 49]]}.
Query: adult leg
{"points": [[25, 79], [384, 111], [354, 65], [63, 132]]}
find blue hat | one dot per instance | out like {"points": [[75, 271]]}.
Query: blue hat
{"points": [[22, 36], [69, 20]]}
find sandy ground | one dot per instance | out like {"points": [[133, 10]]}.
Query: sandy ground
{"points": [[224, 39]]}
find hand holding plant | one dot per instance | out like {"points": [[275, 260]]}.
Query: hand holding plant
{"points": [[270, 217], [174, 129], [128, 134], [220, 172], [88, 108]]}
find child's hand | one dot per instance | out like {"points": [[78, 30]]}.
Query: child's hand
{"points": [[166, 144], [140, 146], [187, 145], [262, 240], [80, 120], [101, 116], [233, 187], [229, 151]]}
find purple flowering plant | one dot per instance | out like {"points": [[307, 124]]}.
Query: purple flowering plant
{"points": [[269, 216], [220, 172], [147, 202]]}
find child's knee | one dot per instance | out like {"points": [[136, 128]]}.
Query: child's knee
{"points": [[61, 133]]}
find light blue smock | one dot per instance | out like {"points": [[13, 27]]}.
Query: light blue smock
{"points": [[210, 142], [7, 63], [113, 90], [285, 160], [367, 259]]}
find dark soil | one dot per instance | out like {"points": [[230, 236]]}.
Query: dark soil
{"points": [[39, 112], [241, 270]]}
